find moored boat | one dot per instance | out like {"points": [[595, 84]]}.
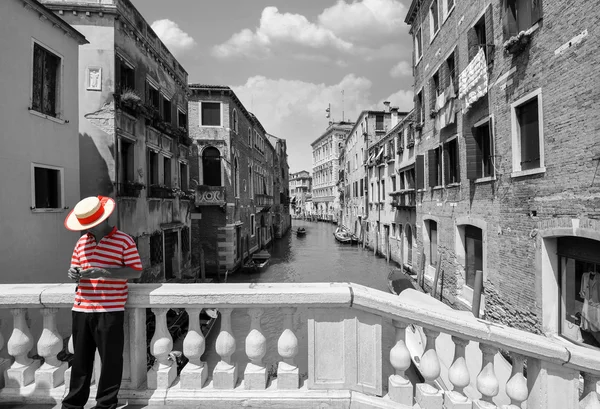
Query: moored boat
{"points": [[342, 236]]}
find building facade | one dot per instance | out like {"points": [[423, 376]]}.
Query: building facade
{"points": [[133, 138], [300, 186], [326, 149], [281, 191], [39, 157], [508, 150], [368, 130], [235, 170]]}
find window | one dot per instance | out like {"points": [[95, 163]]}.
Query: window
{"points": [[236, 178], [382, 191], [153, 96], [431, 242], [235, 121], [156, 249], [528, 148], [379, 122], [393, 229], [520, 15], [420, 108], [183, 176], [434, 92], [211, 166], [451, 162], [250, 137], [451, 70], [408, 236], [126, 165], [579, 266], [434, 19], [252, 225], [167, 172], [210, 114], [448, 7], [435, 167], [418, 46], [126, 75], [45, 82], [152, 168], [473, 254], [393, 183], [47, 187], [182, 119], [251, 181], [480, 151], [166, 110]]}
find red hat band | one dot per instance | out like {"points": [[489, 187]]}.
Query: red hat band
{"points": [[96, 215]]}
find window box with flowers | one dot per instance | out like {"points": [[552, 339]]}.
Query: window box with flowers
{"points": [[517, 43], [184, 194], [130, 102], [131, 189], [160, 192]]}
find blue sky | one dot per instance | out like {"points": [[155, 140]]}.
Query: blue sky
{"points": [[286, 60]]}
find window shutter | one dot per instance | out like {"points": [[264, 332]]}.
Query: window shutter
{"points": [[38, 73], [509, 21], [489, 34], [433, 167], [446, 164], [420, 169], [536, 11], [472, 42], [473, 153], [432, 96], [456, 70]]}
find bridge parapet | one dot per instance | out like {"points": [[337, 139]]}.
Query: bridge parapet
{"points": [[345, 358]]}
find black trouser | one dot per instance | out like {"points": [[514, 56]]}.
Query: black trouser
{"points": [[102, 330]]}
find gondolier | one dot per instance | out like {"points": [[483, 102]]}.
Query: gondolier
{"points": [[103, 260]]}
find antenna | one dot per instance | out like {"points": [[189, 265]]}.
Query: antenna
{"points": [[342, 105]]}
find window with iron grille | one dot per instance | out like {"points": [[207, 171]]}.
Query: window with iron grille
{"points": [[46, 70], [185, 239], [156, 249]]}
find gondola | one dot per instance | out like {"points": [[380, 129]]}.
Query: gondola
{"points": [[301, 231], [257, 263], [342, 236]]}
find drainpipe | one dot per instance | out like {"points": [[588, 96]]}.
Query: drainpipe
{"points": [[117, 168]]}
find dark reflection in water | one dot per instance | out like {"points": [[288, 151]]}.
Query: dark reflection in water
{"points": [[315, 257]]}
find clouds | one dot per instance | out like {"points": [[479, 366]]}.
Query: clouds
{"points": [[365, 28], [176, 40], [295, 110], [401, 69]]}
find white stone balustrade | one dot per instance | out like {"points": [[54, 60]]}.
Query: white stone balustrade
{"points": [[349, 373]]}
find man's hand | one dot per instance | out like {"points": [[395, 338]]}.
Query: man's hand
{"points": [[74, 273], [94, 272]]}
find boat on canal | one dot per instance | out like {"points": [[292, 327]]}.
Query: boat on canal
{"points": [[257, 263], [342, 235], [301, 231]]}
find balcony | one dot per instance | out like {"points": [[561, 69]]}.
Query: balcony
{"points": [[263, 200], [343, 343], [404, 199], [210, 195]]}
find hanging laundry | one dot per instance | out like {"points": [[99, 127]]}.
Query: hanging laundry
{"points": [[473, 81]]}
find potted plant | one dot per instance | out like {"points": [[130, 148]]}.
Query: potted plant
{"points": [[129, 101], [132, 189]]}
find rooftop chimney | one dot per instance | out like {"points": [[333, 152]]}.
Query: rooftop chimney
{"points": [[387, 106], [394, 111]]}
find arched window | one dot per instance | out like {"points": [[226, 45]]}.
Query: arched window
{"points": [[235, 121], [211, 166], [236, 178]]}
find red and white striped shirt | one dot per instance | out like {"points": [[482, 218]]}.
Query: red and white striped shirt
{"points": [[115, 250]]}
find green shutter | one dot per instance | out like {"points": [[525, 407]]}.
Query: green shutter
{"points": [[432, 166], [473, 153], [420, 171]]}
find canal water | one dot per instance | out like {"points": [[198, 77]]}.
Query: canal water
{"points": [[315, 257]]}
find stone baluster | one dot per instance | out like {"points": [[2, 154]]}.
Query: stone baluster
{"points": [[400, 389], [163, 372], [590, 396], [22, 371], [195, 372], [52, 373], [225, 374], [516, 387], [4, 363], [255, 375], [427, 395], [459, 377], [288, 375], [487, 382]]}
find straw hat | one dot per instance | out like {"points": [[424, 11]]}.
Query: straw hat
{"points": [[89, 212]]}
